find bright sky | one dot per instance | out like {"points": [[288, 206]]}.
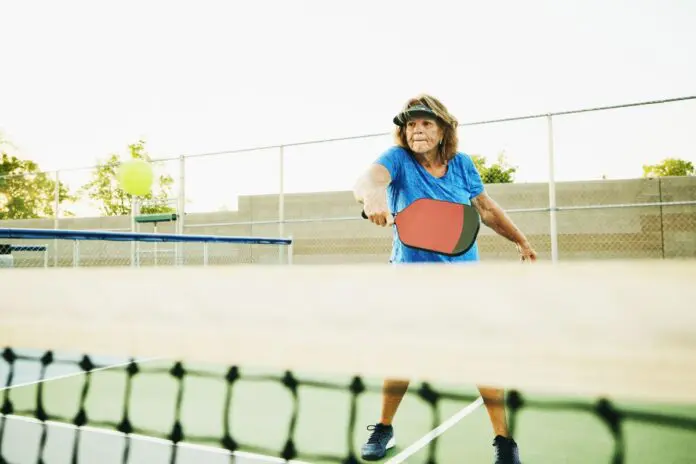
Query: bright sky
{"points": [[82, 79]]}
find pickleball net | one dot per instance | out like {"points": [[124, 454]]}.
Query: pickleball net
{"points": [[211, 374]]}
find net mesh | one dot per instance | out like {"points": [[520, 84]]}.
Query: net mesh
{"points": [[70, 402]]}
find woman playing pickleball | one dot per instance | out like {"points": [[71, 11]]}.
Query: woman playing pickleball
{"points": [[425, 163]]}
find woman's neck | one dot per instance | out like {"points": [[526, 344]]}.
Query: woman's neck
{"points": [[429, 159]]}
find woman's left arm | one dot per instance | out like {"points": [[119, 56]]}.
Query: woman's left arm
{"points": [[493, 216]]}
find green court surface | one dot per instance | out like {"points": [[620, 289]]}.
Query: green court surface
{"points": [[261, 411]]}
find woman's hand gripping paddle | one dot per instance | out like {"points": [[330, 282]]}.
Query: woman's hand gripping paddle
{"points": [[438, 226]]}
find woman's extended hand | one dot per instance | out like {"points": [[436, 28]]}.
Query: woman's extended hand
{"points": [[526, 251], [375, 207]]}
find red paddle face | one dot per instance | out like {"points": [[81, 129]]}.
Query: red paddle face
{"points": [[438, 226]]}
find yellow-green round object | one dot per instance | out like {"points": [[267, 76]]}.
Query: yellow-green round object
{"points": [[136, 177]]}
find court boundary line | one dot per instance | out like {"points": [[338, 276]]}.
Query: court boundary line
{"points": [[436, 432], [146, 438], [74, 374]]}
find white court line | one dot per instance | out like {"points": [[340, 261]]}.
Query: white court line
{"points": [[436, 432], [65, 376], [145, 438]]}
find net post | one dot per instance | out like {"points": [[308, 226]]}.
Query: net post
{"points": [[553, 231], [205, 253], [45, 256]]}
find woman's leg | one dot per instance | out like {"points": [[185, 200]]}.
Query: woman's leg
{"points": [[393, 392], [506, 451], [382, 437], [494, 400]]}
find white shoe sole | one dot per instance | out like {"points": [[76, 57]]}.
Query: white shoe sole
{"points": [[390, 444]]}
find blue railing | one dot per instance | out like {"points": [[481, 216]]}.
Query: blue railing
{"points": [[179, 254], [136, 236]]}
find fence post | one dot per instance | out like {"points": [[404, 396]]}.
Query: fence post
{"points": [[135, 245], [662, 217], [290, 250], [553, 229], [281, 202], [76, 253], [56, 225], [181, 209]]}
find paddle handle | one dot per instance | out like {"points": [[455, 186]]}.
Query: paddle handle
{"points": [[364, 216]]}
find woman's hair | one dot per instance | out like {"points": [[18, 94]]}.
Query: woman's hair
{"points": [[447, 122]]}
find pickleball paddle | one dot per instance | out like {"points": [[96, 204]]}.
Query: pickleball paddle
{"points": [[438, 226]]}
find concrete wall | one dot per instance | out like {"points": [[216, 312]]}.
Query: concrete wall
{"points": [[327, 229]]}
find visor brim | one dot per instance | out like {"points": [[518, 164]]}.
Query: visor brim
{"points": [[418, 111]]}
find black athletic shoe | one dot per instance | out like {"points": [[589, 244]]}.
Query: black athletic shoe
{"points": [[381, 439], [506, 451]]}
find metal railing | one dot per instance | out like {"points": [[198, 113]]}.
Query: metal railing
{"points": [[104, 248]]}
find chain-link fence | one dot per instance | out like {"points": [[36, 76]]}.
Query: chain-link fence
{"points": [[614, 232], [604, 220], [569, 195], [628, 232]]}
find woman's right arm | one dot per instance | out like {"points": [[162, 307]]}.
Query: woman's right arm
{"points": [[375, 177], [370, 190]]}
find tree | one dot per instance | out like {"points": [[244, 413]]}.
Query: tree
{"points": [[26, 192], [114, 201], [669, 167], [497, 173]]}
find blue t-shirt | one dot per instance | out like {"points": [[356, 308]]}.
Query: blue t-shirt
{"points": [[410, 181]]}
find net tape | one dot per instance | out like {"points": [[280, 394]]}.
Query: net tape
{"points": [[610, 415]]}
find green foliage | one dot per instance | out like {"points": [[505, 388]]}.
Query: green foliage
{"points": [[669, 167], [26, 192], [499, 172], [114, 201]]}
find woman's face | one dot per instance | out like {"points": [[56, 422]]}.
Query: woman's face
{"points": [[423, 135]]}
